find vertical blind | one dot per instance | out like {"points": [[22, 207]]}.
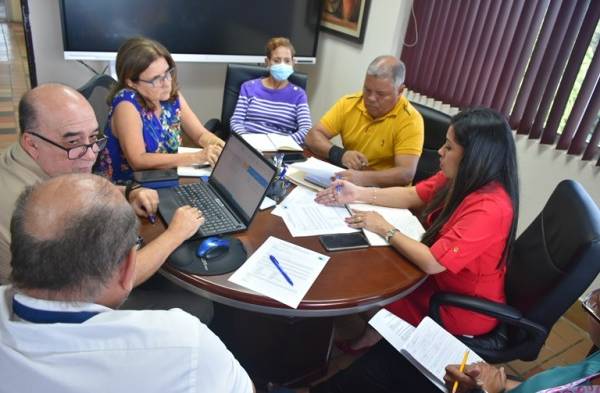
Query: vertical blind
{"points": [[525, 58]]}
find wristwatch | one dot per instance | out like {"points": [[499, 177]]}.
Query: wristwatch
{"points": [[389, 234]]}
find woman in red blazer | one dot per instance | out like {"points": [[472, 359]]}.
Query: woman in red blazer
{"points": [[470, 210]]}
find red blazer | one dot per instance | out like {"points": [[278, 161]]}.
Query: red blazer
{"points": [[470, 246]]}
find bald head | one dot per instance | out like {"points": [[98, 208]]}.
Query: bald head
{"points": [[54, 118], [388, 67], [70, 234]]}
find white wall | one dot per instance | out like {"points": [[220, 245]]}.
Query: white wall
{"points": [[339, 70]]}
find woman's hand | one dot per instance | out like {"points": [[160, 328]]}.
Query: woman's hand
{"points": [[338, 193], [209, 139], [478, 375], [208, 154], [372, 221], [185, 222]]}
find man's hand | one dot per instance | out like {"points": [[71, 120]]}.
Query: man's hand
{"points": [[478, 375], [353, 159], [185, 222], [144, 201]]}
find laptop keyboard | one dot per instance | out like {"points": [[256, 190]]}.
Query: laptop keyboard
{"points": [[218, 218]]}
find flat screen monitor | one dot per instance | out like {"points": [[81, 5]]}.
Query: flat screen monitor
{"points": [[192, 30]]}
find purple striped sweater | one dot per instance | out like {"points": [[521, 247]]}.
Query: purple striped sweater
{"points": [[261, 110]]}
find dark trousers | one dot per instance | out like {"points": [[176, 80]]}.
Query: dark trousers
{"points": [[381, 370]]}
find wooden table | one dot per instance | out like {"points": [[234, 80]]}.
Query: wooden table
{"points": [[269, 338]]}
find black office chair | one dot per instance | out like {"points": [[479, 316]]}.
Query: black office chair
{"points": [[554, 261], [436, 124], [236, 75], [95, 91]]}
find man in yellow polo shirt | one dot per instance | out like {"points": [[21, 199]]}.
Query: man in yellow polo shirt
{"points": [[381, 131]]}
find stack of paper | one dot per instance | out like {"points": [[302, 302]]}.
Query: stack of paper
{"points": [[272, 142], [402, 219], [305, 217], [297, 172], [260, 274], [198, 170], [429, 347]]}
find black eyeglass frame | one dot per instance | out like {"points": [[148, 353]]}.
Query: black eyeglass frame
{"points": [[100, 143], [168, 75]]}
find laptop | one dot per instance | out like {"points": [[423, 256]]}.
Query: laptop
{"points": [[232, 194]]}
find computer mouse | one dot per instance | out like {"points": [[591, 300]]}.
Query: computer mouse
{"points": [[212, 247]]}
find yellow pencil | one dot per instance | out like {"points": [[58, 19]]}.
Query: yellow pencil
{"points": [[461, 369]]}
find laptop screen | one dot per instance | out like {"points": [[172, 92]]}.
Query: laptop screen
{"points": [[242, 176]]}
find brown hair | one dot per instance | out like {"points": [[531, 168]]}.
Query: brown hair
{"points": [[134, 56], [275, 43]]}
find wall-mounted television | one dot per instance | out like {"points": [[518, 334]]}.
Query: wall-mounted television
{"points": [[192, 30]]}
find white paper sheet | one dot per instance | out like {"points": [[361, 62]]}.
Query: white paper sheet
{"points": [[197, 170], [305, 217], [259, 274], [402, 219], [429, 347], [272, 142], [313, 166], [267, 203]]}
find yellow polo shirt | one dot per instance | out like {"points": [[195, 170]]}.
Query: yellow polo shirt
{"points": [[400, 131]]}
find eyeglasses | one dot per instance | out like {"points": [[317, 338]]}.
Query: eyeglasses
{"points": [[75, 153], [590, 304], [158, 80]]}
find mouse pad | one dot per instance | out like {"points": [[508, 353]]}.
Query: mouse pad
{"points": [[185, 259]]}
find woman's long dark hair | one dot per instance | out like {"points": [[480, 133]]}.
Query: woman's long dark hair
{"points": [[489, 155]]}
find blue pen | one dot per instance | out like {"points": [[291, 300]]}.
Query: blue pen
{"points": [[282, 174], [278, 266], [152, 218]]}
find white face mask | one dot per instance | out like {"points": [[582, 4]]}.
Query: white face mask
{"points": [[281, 71]]}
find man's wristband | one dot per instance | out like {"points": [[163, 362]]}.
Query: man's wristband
{"points": [[335, 155], [130, 187]]}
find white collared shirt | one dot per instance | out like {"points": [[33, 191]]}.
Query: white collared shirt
{"points": [[114, 351]]}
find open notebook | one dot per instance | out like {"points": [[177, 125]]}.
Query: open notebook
{"points": [[428, 347], [272, 142]]}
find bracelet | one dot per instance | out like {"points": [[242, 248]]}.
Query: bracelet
{"points": [[130, 187], [335, 155]]}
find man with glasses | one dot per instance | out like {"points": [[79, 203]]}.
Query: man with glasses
{"points": [[59, 135], [59, 327]]}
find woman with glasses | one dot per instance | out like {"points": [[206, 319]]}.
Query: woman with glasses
{"points": [[272, 105], [148, 115]]}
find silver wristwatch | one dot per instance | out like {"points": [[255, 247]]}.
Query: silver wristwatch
{"points": [[389, 234]]}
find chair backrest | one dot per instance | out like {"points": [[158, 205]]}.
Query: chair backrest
{"points": [[557, 257], [95, 91], [240, 73], [436, 124]]}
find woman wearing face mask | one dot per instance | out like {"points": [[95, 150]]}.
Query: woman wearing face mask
{"points": [[272, 104], [148, 115]]}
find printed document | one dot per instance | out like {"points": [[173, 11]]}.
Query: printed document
{"points": [[428, 347], [260, 274], [272, 142], [402, 219], [197, 170], [305, 217]]}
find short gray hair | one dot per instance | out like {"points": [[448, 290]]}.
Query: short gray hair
{"points": [[388, 67], [78, 262]]}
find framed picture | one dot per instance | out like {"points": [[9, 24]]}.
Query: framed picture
{"points": [[346, 18]]}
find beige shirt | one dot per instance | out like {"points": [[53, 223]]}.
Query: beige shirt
{"points": [[17, 171]]}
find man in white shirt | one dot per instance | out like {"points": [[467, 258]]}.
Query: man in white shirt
{"points": [[73, 264]]}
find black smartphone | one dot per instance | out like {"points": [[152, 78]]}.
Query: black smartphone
{"points": [[155, 175], [344, 241], [289, 158]]}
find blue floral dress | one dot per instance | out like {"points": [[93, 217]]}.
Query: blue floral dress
{"points": [[161, 135]]}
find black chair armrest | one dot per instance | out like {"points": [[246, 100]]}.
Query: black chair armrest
{"points": [[213, 125], [502, 312]]}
